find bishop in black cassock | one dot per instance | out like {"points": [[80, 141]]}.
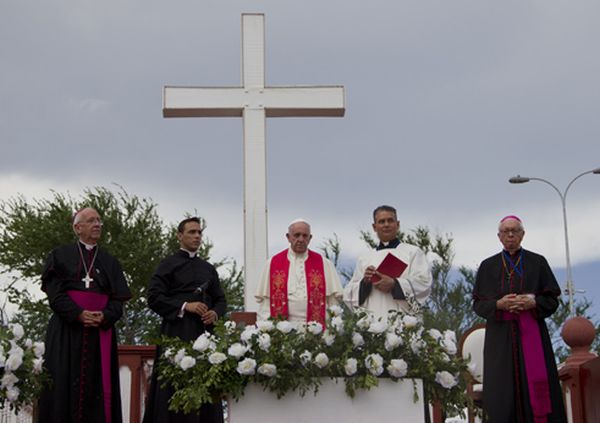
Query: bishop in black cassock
{"points": [[515, 291], [76, 277], [185, 291]]}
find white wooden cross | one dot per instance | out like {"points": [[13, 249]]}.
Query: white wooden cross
{"points": [[254, 103]]}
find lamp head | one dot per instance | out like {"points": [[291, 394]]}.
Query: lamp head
{"points": [[520, 179]]}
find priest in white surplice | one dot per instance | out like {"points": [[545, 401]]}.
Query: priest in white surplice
{"points": [[414, 284], [298, 284]]}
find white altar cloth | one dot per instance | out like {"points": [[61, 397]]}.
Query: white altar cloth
{"points": [[390, 401]]}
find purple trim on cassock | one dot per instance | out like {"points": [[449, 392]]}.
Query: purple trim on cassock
{"points": [[535, 364], [93, 301]]}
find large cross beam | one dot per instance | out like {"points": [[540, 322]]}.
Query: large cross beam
{"points": [[253, 102]]}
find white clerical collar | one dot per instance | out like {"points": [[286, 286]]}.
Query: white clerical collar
{"points": [[191, 253], [385, 243], [88, 246], [292, 255]]}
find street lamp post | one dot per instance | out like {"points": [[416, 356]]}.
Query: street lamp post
{"points": [[563, 198]]}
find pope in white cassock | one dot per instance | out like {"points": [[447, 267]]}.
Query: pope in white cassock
{"points": [[298, 284], [388, 293]]}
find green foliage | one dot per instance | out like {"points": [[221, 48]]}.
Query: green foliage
{"points": [[132, 231], [287, 357]]}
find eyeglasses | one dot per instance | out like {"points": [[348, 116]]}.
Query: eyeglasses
{"points": [[511, 231], [92, 220]]}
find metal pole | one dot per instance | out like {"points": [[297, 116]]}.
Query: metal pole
{"points": [[570, 286]]}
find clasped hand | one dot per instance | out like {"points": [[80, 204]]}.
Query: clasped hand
{"points": [[208, 316], [516, 303], [385, 284], [91, 318]]}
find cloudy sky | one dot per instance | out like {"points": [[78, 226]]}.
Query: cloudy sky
{"points": [[445, 100]]}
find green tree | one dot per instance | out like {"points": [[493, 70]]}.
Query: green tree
{"points": [[132, 231]]}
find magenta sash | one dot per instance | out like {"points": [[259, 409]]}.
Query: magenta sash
{"points": [[93, 301], [535, 364]]}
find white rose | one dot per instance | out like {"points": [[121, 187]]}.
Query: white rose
{"points": [[397, 368], [446, 379], [376, 371], [315, 328], [284, 327], [328, 338], [336, 310], [365, 321], [265, 325], [373, 361], [17, 330], [392, 341], [321, 360], [351, 366], [2, 360], [15, 349], [338, 323], [416, 345], [435, 334], [230, 326], [28, 343], [179, 356], [12, 394], [449, 346], [201, 343], [13, 362], [248, 332], [246, 367], [269, 370], [217, 358], [237, 350], [305, 357], [410, 321], [450, 335], [378, 326], [187, 362], [8, 380], [168, 353], [264, 341], [39, 349], [38, 365], [357, 339]]}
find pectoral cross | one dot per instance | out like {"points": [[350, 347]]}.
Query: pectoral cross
{"points": [[87, 281]]}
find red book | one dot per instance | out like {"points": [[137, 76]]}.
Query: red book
{"points": [[391, 266]]}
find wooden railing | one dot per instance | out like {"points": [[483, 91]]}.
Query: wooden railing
{"points": [[135, 363]]}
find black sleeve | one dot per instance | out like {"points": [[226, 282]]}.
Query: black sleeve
{"points": [[219, 304], [364, 291], [158, 289], [112, 313], [397, 292], [59, 300]]}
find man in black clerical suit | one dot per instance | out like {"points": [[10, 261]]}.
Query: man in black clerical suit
{"points": [[86, 289], [186, 292], [515, 291]]}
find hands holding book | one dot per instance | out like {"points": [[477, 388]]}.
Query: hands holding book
{"points": [[382, 282]]}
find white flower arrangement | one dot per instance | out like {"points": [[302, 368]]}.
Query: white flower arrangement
{"points": [[283, 356], [22, 373]]}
